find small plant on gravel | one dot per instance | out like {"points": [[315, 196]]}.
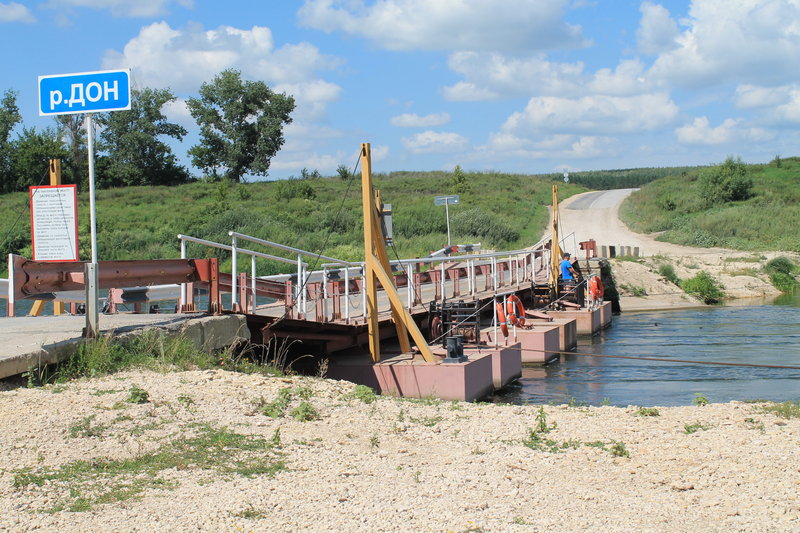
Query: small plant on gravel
{"points": [[278, 406], [305, 412], [618, 449], [374, 441], [364, 393], [700, 399], [185, 400], [137, 395], [694, 428], [251, 513], [84, 428], [783, 410], [427, 421], [752, 423], [647, 411]]}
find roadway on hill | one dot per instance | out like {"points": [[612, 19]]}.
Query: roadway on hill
{"points": [[595, 215]]}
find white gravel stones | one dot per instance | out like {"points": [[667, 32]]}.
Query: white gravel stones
{"points": [[397, 465]]}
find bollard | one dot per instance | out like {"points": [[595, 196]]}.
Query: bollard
{"points": [[455, 349]]}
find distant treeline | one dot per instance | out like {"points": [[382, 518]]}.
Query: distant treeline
{"points": [[618, 179]]}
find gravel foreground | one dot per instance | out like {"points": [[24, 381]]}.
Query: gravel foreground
{"points": [[385, 465]]}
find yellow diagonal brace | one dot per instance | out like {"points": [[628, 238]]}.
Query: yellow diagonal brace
{"points": [[405, 316]]}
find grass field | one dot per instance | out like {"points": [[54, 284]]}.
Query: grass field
{"points": [[768, 220]]}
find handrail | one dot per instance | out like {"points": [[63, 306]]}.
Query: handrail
{"points": [[229, 248], [289, 248]]}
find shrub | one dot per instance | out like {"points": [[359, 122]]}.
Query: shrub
{"points": [[668, 273], [704, 287], [781, 273], [479, 223], [727, 182]]}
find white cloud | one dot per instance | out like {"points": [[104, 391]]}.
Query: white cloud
{"points": [[753, 97], [468, 92], [412, 120], [700, 132], [594, 114], [430, 142], [14, 12], [447, 24], [562, 146], [183, 59], [124, 8], [657, 31], [747, 41]]}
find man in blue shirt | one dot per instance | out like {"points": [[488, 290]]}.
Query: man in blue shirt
{"points": [[567, 272]]}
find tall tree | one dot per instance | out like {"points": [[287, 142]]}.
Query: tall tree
{"points": [[241, 126], [31, 152], [9, 117], [135, 155], [72, 129]]}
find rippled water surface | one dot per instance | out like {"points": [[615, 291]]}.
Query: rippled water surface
{"points": [[764, 334]]}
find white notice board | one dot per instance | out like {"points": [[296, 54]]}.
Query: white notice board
{"points": [[54, 222]]}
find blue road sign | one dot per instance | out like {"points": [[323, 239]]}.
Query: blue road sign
{"points": [[447, 199], [85, 92]]}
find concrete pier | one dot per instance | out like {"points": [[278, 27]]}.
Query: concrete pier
{"points": [[589, 321]]}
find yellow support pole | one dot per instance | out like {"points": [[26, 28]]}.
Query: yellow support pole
{"points": [[55, 179], [377, 268], [38, 305], [555, 247]]}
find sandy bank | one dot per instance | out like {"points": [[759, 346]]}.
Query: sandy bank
{"points": [[390, 465]]}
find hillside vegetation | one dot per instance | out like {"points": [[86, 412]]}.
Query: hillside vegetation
{"points": [[318, 214], [743, 207]]}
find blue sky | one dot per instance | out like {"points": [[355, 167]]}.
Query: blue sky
{"points": [[511, 85]]}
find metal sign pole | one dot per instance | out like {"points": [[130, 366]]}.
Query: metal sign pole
{"points": [[92, 316], [447, 214]]}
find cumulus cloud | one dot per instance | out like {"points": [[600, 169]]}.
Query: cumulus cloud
{"points": [[447, 24], [412, 120], [594, 114], [561, 146], [657, 31], [183, 59], [748, 41], [700, 132], [432, 142], [14, 12], [124, 8]]}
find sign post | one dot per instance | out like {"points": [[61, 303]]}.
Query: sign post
{"points": [[446, 201], [87, 92]]}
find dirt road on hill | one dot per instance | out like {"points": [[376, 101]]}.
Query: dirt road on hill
{"points": [[595, 215]]}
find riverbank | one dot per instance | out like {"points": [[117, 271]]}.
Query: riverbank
{"points": [[204, 452]]}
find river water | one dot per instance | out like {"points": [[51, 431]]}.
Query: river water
{"points": [[762, 334]]}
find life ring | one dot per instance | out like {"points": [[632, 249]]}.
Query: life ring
{"points": [[501, 318], [515, 310], [596, 289], [436, 329]]}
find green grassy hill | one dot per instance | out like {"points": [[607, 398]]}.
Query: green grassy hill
{"points": [[768, 220], [316, 214]]}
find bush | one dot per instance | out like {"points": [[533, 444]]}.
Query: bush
{"points": [[703, 286], [781, 272], [668, 273], [727, 182], [478, 223]]}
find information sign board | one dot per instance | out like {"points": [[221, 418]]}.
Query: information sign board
{"points": [[445, 200], [54, 222]]}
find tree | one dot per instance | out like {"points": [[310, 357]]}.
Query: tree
{"points": [[241, 126], [72, 129], [31, 153], [9, 117], [134, 155], [727, 182]]}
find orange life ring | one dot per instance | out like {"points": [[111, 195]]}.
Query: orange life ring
{"points": [[596, 288], [501, 318], [515, 310]]}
